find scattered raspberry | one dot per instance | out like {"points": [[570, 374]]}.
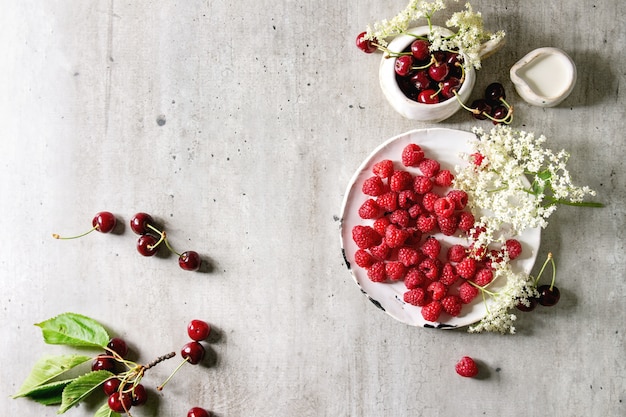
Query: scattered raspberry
{"points": [[414, 278], [513, 247], [448, 225], [426, 223], [388, 201], [448, 274], [373, 186], [456, 253], [416, 297], [395, 271], [429, 167], [483, 277], [466, 367], [369, 209], [412, 155], [381, 251], [422, 184], [459, 197], [408, 256], [400, 217], [431, 247], [477, 158], [432, 311], [415, 210], [467, 292], [443, 207], [383, 169], [407, 199], [436, 290], [365, 236], [444, 178], [466, 268], [466, 221], [400, 180], [428, 201], [452, 305], [430, 268], [363, 258], [380, 225], [376, 272]]}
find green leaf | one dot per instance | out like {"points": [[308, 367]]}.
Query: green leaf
{"points": [[74, 330], [81, 387], [49, 394], [48, 368], [105, 411]]}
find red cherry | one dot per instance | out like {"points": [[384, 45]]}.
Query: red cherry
{"points": [[420, 80], [110, 386], [198, 330], [139, 223], [189, 261], [403, 65], [365, 45], [438, 72], [428, 97], [450, 86], [193, 352], [145, 245], [103, 363], [140, 396], [198, 412], [118, 346], [104, 222], [120, 402], [420, 49]]}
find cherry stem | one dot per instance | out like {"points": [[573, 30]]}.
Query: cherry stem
{"points": [[548, 259], [160, 387], [57, 236], [430, 63], [163, 239]]}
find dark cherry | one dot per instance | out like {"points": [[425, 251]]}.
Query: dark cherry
{"points": [[198, 330], [548, 295], [145, 245], [420, 49], [118, 346], [198, 412], [193, 352], [403, 65], [494, 93], [499, 113], [421, 80], [111, 385], [483, 107], [139, 223], [428, 97], [103, 363], [533, 303], [189, 260], [139, 395], [104, 222], [440, 57], [120, 402], [365, 45], [438, 72], [450, 86]]}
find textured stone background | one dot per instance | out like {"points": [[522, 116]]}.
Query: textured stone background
{"points": [[238, 125]]}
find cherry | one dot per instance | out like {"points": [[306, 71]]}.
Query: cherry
{"points": [[403, 65], [198, 412], [146, 245], [111, 385], [420, 49], [365, 45], [494, 93], [428, 97], [103, 222], [420, 80], [500, 114], [139, 395], [480, 109], [139, 223], [526, 308], [549, 295], [189, 260], [438, 72], [450, 86], [103, 363], [120, 402], [198, 330], [193, 352], [118, 346]]}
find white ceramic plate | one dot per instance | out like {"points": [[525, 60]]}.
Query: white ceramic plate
{"points": [[444, 145]]}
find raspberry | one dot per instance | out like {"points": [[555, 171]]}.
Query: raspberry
{"points": [[383, 169], [456, 253], [466, 367], [459, 197], [444, 178], [443, 207], [380, 225], [428, 201], [388, 201], [431, 247], [416, 297], [513, 247], [466, 221], [394, 236], [467, 292], [373, 186], [414, 278], [477, 159], [412, 155], [369, 209], [400, 180], [448, 274], [381, 251], [363, 258], [365, 236], [407, 199], [429, 167], [466, 268], [448, 225], [436, 290], [483, 277], [430, 268], [376, 272], [414, 211], [422, 184], [415, 236], [400, 217], [408, 256], [394, 271], [432, 311], [426, 223], [452, 305]]}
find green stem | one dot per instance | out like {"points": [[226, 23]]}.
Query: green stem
{"points": [[544, 267]]}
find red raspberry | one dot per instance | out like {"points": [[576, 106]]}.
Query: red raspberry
{"points": [[365, 236], [412, 155], [432, 311], [369, 209], [381, 251], [395, 271], [448, 225], [415, 210], [431, 247], [477, 158], [394, 236], [400, 217], [373, 186], [376, 272], [380, 225], [429, 167], [452, 305], [415, 236], [416, 297], [459, 197], [513, 247], [426, 223], [467, 292], [466, 268], [456, 253], [408, 256], [428, 201], [444, 207], [400, 180], [388, 201], [414, 278], [483, 277], [436, 290], [448, 274], [466, 221], [430, 268], [422, 184], [363, 258], [478, 252], [407, 199], [383, 169], [466, 367], [444, 178]]}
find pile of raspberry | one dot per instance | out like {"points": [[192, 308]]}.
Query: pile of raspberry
{"points": [[408, 211]]}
